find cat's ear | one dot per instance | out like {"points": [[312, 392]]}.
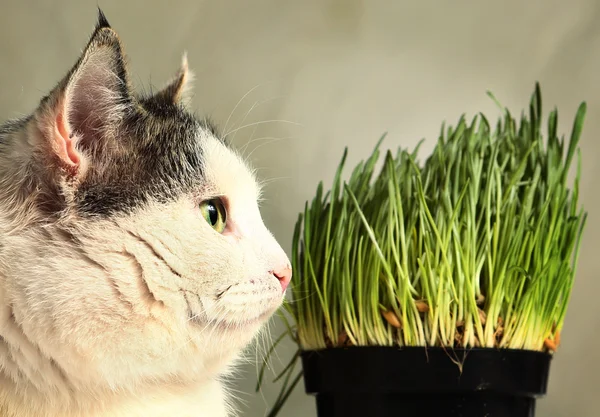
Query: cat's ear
{"points": [[81, 114], [178, 89]]}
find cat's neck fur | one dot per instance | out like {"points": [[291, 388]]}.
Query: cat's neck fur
{"points": [[206, 399]]}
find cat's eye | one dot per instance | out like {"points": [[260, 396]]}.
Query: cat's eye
{"points": [[214, 213]]}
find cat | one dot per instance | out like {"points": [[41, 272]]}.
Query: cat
{"points": [[135, 265]]}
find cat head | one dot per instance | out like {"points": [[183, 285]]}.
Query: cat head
{"points": [[132, 248]]}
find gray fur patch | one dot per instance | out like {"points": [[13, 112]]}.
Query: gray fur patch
{"points": [[162, 158]]}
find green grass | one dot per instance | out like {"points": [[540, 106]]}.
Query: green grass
{"points": [[475, 247]]}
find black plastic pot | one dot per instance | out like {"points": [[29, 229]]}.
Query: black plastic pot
{"points": [[419, 382]]}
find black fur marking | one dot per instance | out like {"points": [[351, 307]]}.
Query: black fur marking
{"points": [[160, 108], [13, 125], [161, 159], [102, 21]]}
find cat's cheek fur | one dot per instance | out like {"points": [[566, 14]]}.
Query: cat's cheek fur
{"points": [[142, 338]]}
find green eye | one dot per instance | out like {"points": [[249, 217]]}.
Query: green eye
{"points": [[214, 213]]}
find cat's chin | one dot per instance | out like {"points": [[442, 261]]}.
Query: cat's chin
{"points": [[246, 323]]}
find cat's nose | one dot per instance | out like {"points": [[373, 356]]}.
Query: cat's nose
{"points": [[283, 275]]}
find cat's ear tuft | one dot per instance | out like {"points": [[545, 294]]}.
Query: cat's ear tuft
{"points": [[102, 21], [178, 89], [83, 112]]}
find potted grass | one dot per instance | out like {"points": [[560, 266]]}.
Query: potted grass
{"points": [[438, 288]]}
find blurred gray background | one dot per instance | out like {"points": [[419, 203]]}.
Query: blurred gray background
{"points": [[300, 80]]}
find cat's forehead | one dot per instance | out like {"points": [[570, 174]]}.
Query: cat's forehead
{"points": [[166, 152], [226, 173]]}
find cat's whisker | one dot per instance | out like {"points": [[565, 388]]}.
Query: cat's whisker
{"points": [[270, 140], [276, 354], [261, 123], [237, 105], [299, 297], [260, 356], [255, 105], [268, 181], [260, 347], [268, 143], [244, 119]]}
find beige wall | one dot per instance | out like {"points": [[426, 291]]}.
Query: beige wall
{"points": [[340, 72]]}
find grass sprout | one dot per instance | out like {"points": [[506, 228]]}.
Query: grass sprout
{"points": [[475, 247]]}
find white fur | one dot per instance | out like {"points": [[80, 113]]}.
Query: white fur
{"points": [[106, 331]]}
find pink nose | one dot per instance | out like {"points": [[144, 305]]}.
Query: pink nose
{"points": [[284, 275]]}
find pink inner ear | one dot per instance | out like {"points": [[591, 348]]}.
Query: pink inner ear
{"points": [[65, 142]]}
